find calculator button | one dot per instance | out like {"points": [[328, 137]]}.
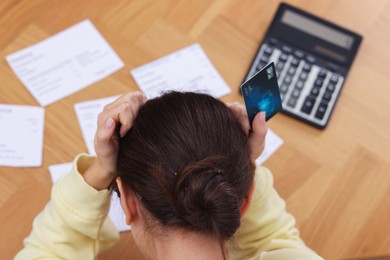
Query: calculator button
{"points": [[292, 102], [331, 87], [283, 57], [321, 110], [311, 59], [260, 66], [307, 67], [294, 62], [273, 41], [315, 91], [318, 82], [292, 70], [327, 96], [264, 59], [299, 54], [279, 65], [287, 49], [334, 78], [284, 88], [296, 93], [308, 105], [333, 66], [303, 76], [268, 51], [287, 79], [322, 73], [299, 84]]}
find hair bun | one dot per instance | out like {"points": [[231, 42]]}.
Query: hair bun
{"points": [[205, 200]]}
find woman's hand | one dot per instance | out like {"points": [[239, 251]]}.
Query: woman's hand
{"points": [[259, 128], [122, 112]]}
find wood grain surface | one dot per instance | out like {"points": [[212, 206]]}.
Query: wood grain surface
{"points": [[335, 181]]}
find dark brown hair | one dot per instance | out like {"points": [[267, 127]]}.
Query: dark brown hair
{"points": [[187, 158]]}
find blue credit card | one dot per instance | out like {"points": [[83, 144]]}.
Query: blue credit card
{"points": [[261, 93]]}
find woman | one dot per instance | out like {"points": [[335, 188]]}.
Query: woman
{"points": [[183, 165]]}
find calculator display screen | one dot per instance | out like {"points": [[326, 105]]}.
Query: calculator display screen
{"points": [[317, 29]]}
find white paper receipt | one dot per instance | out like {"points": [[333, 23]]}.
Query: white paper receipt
{"points": [[64, 63], [188, 69], [116, 213], [21, 135], [272, 143], [87, 113]]}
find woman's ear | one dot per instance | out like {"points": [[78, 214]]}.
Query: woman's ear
{"points": [[248, 200], [128, 201]]}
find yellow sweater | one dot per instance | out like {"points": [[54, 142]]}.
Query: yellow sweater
{"points": [[74, 223]]}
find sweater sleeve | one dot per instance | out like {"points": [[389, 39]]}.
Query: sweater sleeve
{"points": [[267, 231], [74, 223]]}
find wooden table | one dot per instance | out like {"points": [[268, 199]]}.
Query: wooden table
{"points": [[336, 181]]}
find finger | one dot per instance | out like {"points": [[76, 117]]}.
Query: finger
{"points": [[259, 126], [121, 99], [125, 97], [257, 137], [104, 134], [136, 101], [123, 116], [125, 113], [240, 112]]}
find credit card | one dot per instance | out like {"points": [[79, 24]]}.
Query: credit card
{"points": [[261, 93]]}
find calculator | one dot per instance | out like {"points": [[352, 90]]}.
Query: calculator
{"points": [[312, 57]]}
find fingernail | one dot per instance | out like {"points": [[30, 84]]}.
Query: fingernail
{"points": [[109, 123], [122, 134], [262, 116]]}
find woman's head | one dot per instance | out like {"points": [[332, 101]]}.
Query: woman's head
{"points": [[188, 160]]}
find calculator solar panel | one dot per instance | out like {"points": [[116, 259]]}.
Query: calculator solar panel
{"points": [[312, 58]]}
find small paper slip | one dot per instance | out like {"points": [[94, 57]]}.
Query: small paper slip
{"points": [[116, 213], [21, 135], [272, 143], [188, 69], [87, 113], [64, 63]]}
